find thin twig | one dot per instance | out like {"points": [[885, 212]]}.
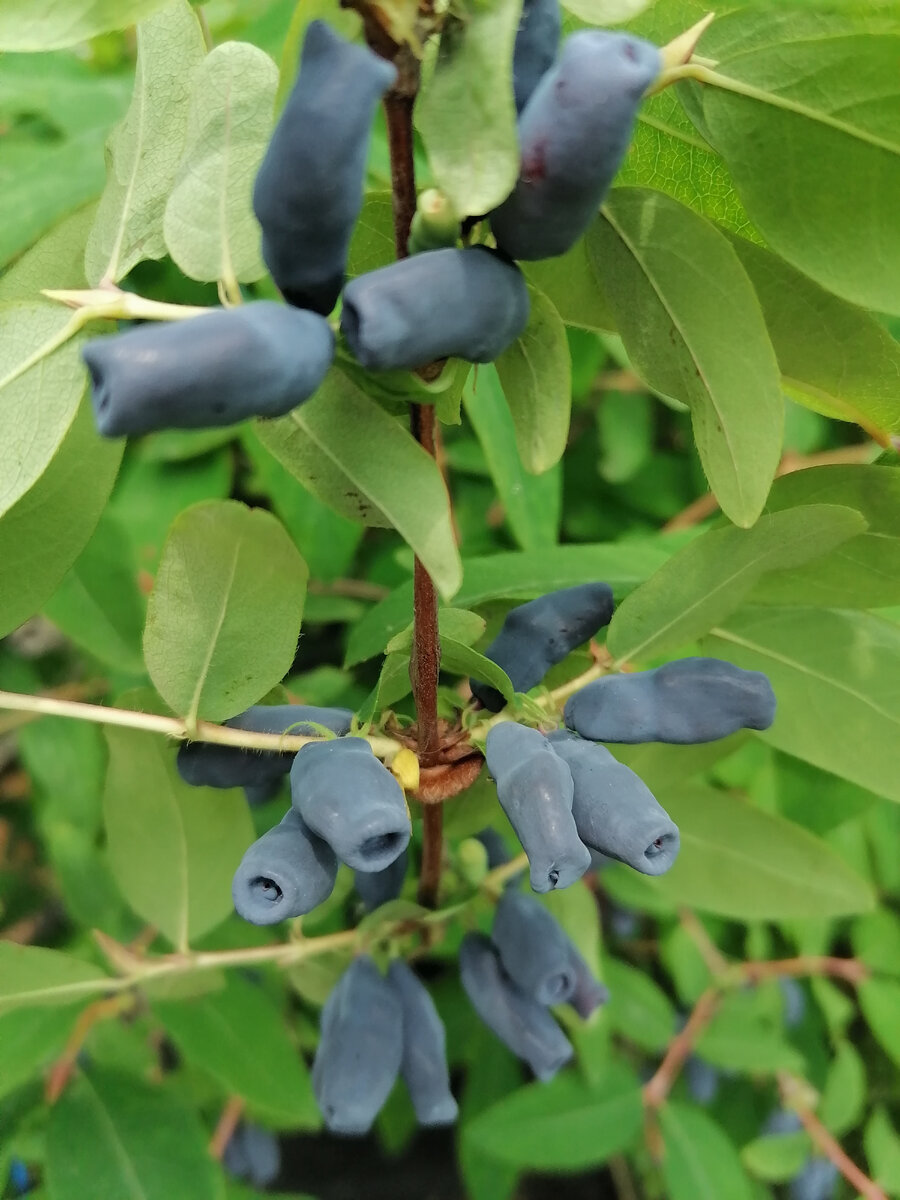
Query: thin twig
{"points": [[353, 589], [657, 1089], [174, 727], [792, 1090], [709, 951], [226, 1125]]}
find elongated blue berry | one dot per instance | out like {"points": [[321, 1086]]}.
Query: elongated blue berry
{"points": [[525, 1026], [257, 360], [684, 702], [350, 799], [534, 949], [375, 888], [614, 810], [537, 41], [424, 1062], [360, 1051], [309, 189], [538, 635], [205, 764], [466, 303], [589, 992], [535, 790], [573, 135], [782, 1120], [253, 1154], [702, 1080], [261, 793], [817, 1181], [285, 873]]}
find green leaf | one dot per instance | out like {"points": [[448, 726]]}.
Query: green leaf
{"points": [[466, 114], [326, 540], [606, 12], [834, 674], [843, 1101], [563, 1125], [834, 357], [342, 441], [30, 1039], [879, 1000], [743, 1037], [229, 578], [708, 579], [864, 572], [111, 1134], [47, 176], [740, 862], [570, 284], [173, 848], [56, 261], [536, 376], [806, 98], [883, 1151], [393, 684], [50, 24], [531, 505], [145, 150], [46, 529], [515, 576], [98, 604], [32, 975], [638, 1009], [461, 659], [209, 226], [700, 1162], [41, 383], [238, 1036], [694, 331], [372, 243], [777, 1158], [876, 940]]}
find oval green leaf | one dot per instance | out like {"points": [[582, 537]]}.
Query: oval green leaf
{"points": [[229, 577]]}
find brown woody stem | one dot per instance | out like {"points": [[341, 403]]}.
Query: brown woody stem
{"points": [[426, 655]]}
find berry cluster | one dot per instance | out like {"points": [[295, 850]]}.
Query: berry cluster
{"points": [[564, 794], [577, 109]]}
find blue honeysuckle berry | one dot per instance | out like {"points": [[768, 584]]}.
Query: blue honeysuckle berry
{"points": [[285, 873], [424, 1063], [534, 948], [538, 635], [253, 1154], [702, 1080], [204, 764], [348, 797], [375, 888], [817, 1181], [537, 41], [360, 1049], [524, 1026], [257, 360], [468, 304], [685, 702], [573, 134], [535, 790], [309, 188], [613, 808]]}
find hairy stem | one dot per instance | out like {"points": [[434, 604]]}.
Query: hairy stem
{"points": [[174, 727]]}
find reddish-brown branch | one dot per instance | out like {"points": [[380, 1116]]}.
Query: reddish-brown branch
{"points": [[791, 1090], [679, 1051], [657, 1089], [61, 1070], [426, 654], [226, 1125]]}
